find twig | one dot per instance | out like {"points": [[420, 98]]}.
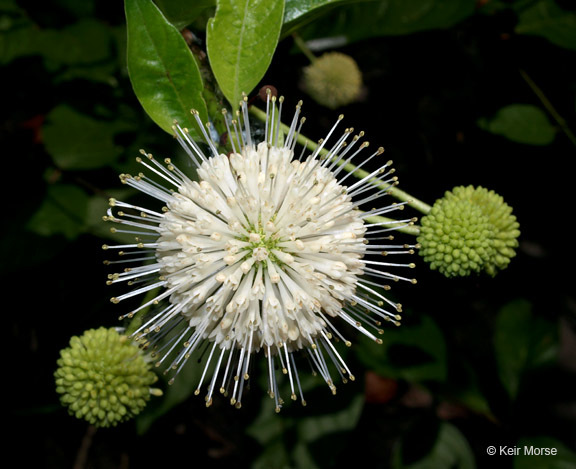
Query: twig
{"points": [[549, 107], [82, 454]]}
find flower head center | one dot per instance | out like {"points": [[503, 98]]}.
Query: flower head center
{"points": [[262, 245]]}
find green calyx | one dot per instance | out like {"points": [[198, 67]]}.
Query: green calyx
{"points": [[333, 80], [103, 378], [469, 230]]}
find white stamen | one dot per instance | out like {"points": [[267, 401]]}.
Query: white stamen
{"points": [[263, 251]]}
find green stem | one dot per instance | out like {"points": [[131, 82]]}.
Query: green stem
{"points": [[359, 173], [549, 107], [304, 47]]}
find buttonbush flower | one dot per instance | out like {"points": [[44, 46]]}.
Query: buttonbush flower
{"points": [[469, 230], [267, 251], [103, 377]]}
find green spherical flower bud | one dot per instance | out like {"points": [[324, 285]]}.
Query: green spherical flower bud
{"points": [[333, 80], [103, 378], [469, 230]]}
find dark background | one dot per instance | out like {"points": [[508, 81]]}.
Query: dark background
{"points": [[424, 94]]}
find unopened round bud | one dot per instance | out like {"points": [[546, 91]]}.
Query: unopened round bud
{"points": [[333, 80], [469, 230], [103, 378]]}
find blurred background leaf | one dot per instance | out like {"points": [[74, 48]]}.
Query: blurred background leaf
{"points": [[522, 123], [62, 212], [373, 18], [450, 450], [86, 41], [548, 19], [522, 341], [173, 394], [414, 352], [77, 141], [305, 438], [563, 459]]}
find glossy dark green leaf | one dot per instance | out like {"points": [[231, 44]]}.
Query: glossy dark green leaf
{"points": [[182, 13], [521, 123], [241, 40], [545, 18], [521, 341], [164, 74], [77, 141], [300, 12], [389, 17], [63, 212]]}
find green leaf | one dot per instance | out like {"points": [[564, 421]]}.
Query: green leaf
{"points": [[374, 18], [164, 74], [463, 388], [416, 353], [85, 8], [546, 19], [241, 40], [300, 12], [180, 13], [451, 450], [63, 212], [521, 123], [97, 207], [521, 342], [86, 42], [275, 432], [173, 394], [563, 458], [77, 141], [17, 32]]}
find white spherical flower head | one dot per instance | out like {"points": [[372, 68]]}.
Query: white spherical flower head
{"points": [[262, 252]]}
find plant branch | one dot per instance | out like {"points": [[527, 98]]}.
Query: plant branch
{"points": [[549, 107], [301, 44], [351, 168]]}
